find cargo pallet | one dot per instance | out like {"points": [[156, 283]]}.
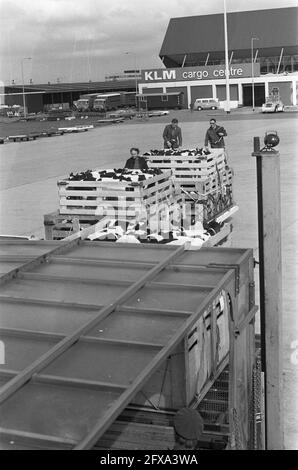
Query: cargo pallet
{"points": [[59, 226], [92, 330]]}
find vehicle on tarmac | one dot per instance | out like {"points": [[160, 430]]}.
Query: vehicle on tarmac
{"points": [[85, 103], [205, 103], [273, 107], [103, 102], [126, 113], [273, 103], [158, 101], [162, 112], [107, 102]]}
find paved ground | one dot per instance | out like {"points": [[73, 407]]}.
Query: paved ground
{"points": [[29, 172], [14, 126]]}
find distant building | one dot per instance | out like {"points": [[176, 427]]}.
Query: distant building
{"points": [[126, 75], [194, 58], [41, 96]]}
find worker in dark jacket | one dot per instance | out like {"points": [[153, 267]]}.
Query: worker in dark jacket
{"points": [[215, 135], [172, 135], [136, 162]]}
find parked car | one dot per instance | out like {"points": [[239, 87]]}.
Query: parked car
{"points": [[123, 113], [273, 107], [205, 103], [162, 112]]}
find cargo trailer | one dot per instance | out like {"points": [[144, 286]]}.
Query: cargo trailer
{"points": [[97, 335], [107, 102], [148, 101]]}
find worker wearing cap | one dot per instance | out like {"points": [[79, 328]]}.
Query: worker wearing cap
{"points": [[172, 135], [136, 161], [215, 135]]}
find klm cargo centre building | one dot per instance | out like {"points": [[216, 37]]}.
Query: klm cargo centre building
{"points": [[262, 48]]}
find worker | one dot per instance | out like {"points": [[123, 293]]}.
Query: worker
{"points": [[136, 161], [172, 135], [215, 135]]}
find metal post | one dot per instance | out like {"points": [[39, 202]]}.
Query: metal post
{"points": [[252, 72], [24, 102], [227, 60], [279, 62], [23, 85], [269, 234], [231, 58], [135, 67]]}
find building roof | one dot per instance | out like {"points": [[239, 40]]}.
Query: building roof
{"points": [[197, 36], [84, 87]]}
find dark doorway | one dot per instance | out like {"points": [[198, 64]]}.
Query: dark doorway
{"points": [[259, 94]]}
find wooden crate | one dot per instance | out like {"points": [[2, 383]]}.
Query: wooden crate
{"points": [[190, 167], [59, 226], [206, 182], [115, 198]]}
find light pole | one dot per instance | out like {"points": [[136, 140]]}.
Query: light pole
{"points": [[227, 60], [24, 101], [252, 71]]}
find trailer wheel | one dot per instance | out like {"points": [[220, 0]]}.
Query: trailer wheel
{"points": [[199, 108], [213, 107]]}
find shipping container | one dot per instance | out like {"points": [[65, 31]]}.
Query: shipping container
{"points": [[150, 101]]}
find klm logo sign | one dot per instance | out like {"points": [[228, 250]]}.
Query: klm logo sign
{"points": [[154, 75], [209, 72]]}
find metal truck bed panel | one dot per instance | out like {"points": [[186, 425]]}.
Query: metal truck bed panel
{"points": [[26, 247], [118, 251], [209, 256], [102, 362], [59, 411], [42, 317], [88, 270], [21, 351], [6, 266], [137, 326], [169, 298], [63, 291], [80, 347], [193, 277]]}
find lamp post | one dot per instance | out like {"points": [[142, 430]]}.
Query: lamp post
{"points": [[227, 60], [22, 68], [252, 71]]}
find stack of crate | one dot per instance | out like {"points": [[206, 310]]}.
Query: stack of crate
{"points": [[88, 202], [206, 180]]}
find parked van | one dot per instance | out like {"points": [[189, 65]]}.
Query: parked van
{"points": [[205, 103]]}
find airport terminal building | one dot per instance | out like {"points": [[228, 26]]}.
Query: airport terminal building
{"points": [[193, 56]]}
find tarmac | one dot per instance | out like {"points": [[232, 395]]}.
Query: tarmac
{"points": [[28, 190]]}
